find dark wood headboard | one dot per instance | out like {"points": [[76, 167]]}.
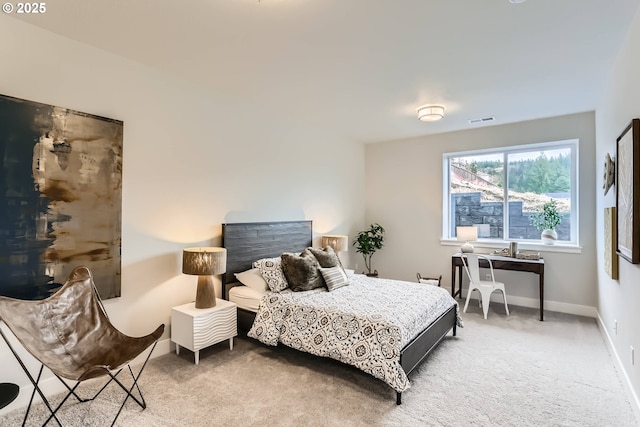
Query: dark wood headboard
{"points": [[249, 241]]}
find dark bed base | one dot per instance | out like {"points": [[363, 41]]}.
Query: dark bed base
{"points": [[245, 320], [418, 349], [246, 242], [411, 355]]}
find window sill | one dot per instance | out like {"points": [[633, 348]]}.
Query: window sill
{"points": [[501, 244]]}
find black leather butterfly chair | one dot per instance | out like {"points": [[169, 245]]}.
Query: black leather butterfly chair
{"points": [[70, 334]]}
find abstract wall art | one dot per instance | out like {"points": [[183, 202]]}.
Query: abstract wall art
{"points": [[60, 198]]}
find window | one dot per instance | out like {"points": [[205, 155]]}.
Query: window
{"points": [[499, 190]]}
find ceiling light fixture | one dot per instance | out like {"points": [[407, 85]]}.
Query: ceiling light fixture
{"points": [[430, 113]]}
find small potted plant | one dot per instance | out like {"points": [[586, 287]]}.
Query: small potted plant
{"points": [[367, 242], [547, 221]]}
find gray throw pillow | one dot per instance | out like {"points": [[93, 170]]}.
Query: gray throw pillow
{"points": [[301, 271], [326, 257]]}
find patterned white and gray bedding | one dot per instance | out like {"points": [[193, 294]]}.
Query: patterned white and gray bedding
{"points": [[365, 324]]}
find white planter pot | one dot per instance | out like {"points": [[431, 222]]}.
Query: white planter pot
{"points": [[549, 237]]}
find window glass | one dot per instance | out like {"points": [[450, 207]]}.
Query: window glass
{"points": [[534, 175], [477, 194]]}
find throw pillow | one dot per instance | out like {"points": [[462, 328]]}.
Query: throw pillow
{"points": [[271, 272], [334, 277], [301, 271], [253, 279], [326, 257]]}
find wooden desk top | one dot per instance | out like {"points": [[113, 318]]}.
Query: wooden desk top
{"points": [[506, 258], [506, 263]]}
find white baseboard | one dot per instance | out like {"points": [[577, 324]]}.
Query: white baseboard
{"points": [[635, 402], [51, 385], [562, 307]]}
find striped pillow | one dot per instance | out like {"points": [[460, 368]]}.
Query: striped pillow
{"points": [[334, 277]]}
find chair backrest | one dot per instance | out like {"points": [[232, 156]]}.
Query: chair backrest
{"points": [[70, 333], [472, 266]]}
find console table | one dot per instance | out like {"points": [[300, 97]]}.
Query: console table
{"points": [[501, 263]]}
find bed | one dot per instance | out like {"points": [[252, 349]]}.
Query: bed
{"points": [[402, 350]]}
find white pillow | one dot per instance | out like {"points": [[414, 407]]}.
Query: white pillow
{"points": [[253, 279], [271, 271]]}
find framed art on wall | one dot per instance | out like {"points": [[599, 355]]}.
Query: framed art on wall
{"points": [[60, 198], [610, 255], [628, 192]]}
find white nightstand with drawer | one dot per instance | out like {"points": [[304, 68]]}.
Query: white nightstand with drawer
{"points": [[197, 328]]}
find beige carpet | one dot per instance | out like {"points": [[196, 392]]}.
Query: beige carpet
{"points": [[505, 371]]}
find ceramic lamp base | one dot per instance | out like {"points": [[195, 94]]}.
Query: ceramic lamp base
{"points": [[466, 248]]}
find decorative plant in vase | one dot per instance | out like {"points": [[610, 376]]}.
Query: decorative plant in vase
{"points": [[367, 242], [547, 221]]}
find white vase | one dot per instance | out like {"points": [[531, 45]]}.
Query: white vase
{"points": [[549, 236]]}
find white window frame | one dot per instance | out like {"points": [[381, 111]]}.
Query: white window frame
{"points": [[572, 144]]}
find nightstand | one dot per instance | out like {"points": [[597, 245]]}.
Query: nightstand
{"points": [[197, 328]]}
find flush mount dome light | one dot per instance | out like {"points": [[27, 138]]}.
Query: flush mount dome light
{"points": [[430, 113]]}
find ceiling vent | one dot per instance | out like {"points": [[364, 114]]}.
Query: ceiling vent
{"points": [[481, 120]]}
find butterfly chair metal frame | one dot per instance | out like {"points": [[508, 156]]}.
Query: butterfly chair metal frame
{"points": [[484, 287], [78, 291]]}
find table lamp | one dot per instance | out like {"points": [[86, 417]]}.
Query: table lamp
{"points": [[339, 243], [204, 262], [466, 235]]}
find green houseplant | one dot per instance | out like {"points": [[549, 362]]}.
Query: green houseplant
{"points": [[547, 221], [367, 242]]}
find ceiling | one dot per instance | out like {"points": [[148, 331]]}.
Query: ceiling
{"points": [[360, 68]]}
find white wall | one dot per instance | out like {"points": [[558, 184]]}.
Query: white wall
{"points": [[404, 195], [619, 299], [192, 161]]}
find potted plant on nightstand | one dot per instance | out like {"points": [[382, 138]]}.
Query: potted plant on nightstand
{"points": [[367, 242], [547, 221]]}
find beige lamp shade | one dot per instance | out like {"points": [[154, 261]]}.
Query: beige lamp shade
{"points": [[466, 235], [339, 243], [204, 262]]}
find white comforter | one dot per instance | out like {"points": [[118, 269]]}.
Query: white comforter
{"points": [[365, 324]]}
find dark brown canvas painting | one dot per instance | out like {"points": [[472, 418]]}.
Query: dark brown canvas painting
{"points": [[60, 198]]}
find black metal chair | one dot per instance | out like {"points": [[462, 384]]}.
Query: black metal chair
{"points": [[70, 333]]}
